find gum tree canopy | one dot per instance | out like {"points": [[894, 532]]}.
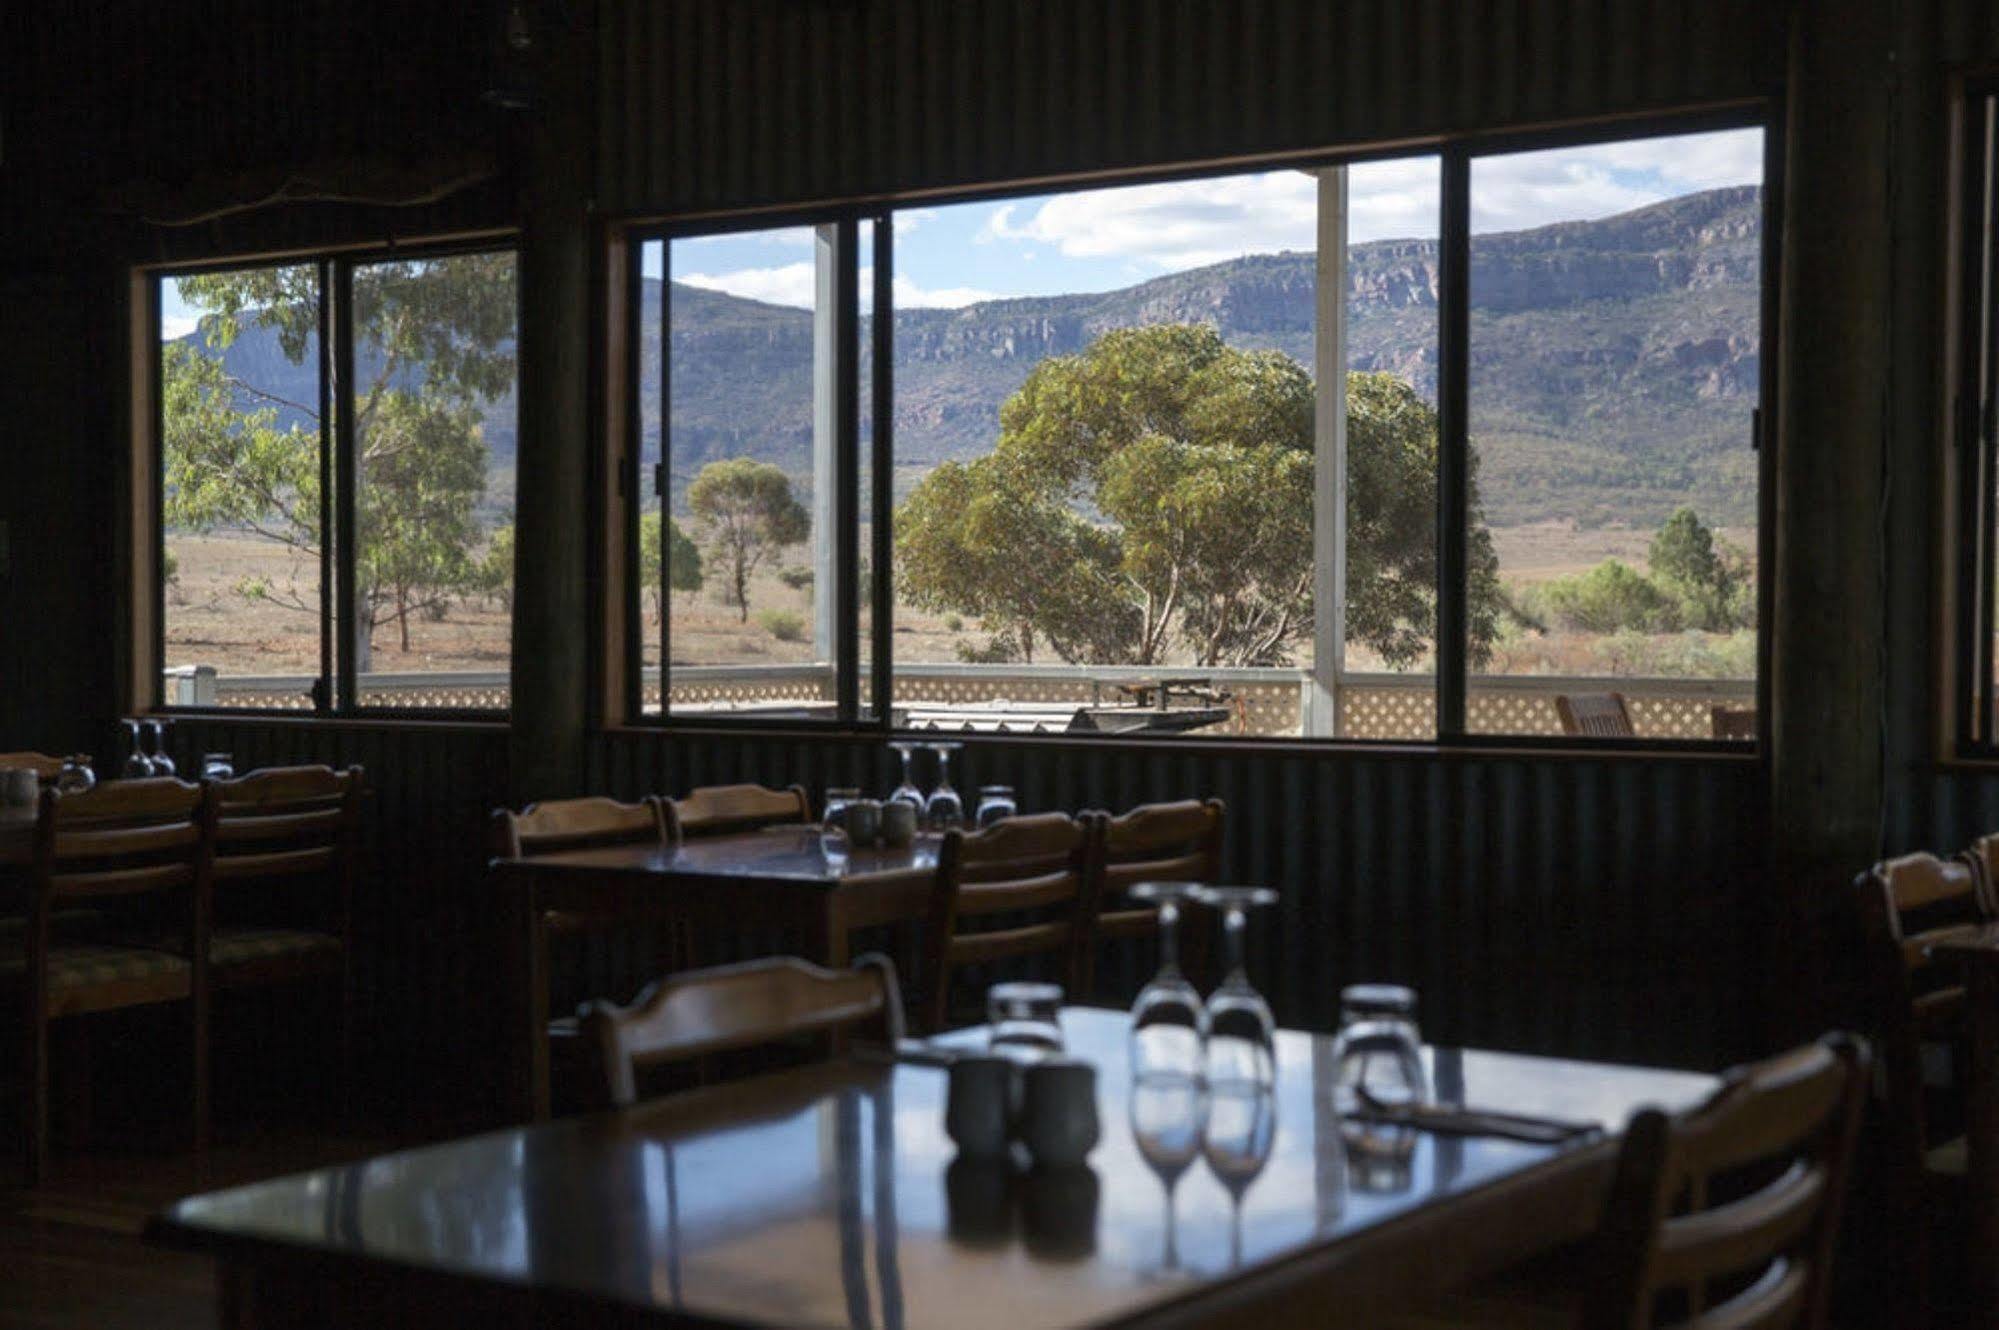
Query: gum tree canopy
{"points": [[1150, 501], [434, 344]]}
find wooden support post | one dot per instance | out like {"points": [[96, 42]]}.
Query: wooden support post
{"points": [[552, 622], [1826, 686]]}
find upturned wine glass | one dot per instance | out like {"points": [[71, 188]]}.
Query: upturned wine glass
{"points": [[1242, 1035], [1242, 1127], [834, 842], [907, 792], [945, 809], [163, 765], [137, 765], [1169, 1113], [1169, 1022]]}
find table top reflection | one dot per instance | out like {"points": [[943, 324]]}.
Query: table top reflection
{"points": [[775, 854], [830, 1197]]}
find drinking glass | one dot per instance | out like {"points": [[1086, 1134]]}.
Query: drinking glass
{"points": [[218, 766], [833, 838], [1242, 1036], [1025, 1017], [1242, 1126], [162, 764], [1169, 1114], [76, 776], [137, 765], [1379, 1048], [995, 805], [1169, 1023], [945, 809], [907, 792]]}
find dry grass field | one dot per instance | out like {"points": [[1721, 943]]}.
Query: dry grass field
{"points": [[209, 621]]}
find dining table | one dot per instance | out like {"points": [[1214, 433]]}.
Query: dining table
{"points": [[830, 1196], [1975, 949], [778, 877]]}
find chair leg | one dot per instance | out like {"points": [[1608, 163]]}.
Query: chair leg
{"points": [[198, 1037], [35, 1089]]}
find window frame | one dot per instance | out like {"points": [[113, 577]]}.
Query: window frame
{"points": [[334, 692], [1973, 442], [1452, 679]]}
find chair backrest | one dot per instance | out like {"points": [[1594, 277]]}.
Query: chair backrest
{"points": [[576, 824], [1176, 842], [1905, 905], [1732, 722], [44, 766], [717, 810], [1038, 864], [1732, 1208], [1983, 857], [285, 822], [730, 1007], [123, 839], [1594, 715]]}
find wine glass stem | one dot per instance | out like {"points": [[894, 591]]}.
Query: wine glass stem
{"points": [[1169, 938], [1235, 1232], [1233, 927], [1172, 1259]]}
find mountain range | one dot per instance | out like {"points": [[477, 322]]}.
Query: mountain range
{"points": [[1613, 367]]}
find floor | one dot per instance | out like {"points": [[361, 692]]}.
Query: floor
{"points": [[71, 1249]]}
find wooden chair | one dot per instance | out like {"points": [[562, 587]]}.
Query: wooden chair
{"points": [[1173, 842], [732, 1007], [1736, 724], [718, 810], [1594, 715], [44, 766], [1983, 858], [287, 846], [141, 848], [1917, 1004], [1038, 865], [1730, 1211]]}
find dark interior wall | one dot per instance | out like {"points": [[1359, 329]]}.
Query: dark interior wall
{"points": [[1614, 906]]}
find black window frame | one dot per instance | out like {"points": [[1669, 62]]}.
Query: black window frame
{"points": [[1452, 677], [335, 693]]}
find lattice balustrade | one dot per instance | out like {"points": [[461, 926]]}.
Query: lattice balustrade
{"points": [[1270, 702]]}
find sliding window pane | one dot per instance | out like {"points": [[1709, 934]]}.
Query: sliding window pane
{"points": [[434, 415], [751, 451], [1614, 369], [240, 502], [1385, 624], [658, 542]]}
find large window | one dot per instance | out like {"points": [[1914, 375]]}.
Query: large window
{"points": [[336, 444], [1390, 449]]}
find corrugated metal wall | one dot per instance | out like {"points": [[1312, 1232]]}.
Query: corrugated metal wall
{"points": [[1595, 908], [769, 101]]}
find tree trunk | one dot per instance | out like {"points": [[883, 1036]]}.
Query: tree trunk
{"points": [[403, 618]]}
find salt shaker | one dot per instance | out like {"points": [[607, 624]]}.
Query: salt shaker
{"points": [[898, 824], [1058, 1116]]}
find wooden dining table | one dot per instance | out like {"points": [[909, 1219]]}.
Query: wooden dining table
{"points": [[1975, 949], [830, 1197], [779, 877]]}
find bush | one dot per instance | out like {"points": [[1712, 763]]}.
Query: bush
{"points": [[1608, 598], [797, 577], [954, 623], [783, 625]]}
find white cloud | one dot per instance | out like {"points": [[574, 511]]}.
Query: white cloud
{"points": [[176, 326], [1182, 224], [794, 284], [1527, 189], [789, 284], [784, 237]]}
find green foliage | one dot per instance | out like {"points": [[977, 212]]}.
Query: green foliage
{"points": [[1153, 496], [1711, 578], [434, 339], [784, 625], [683, 569], [496, 567], [1608, 598], [954, 623], [750, 515], [798, 577]]}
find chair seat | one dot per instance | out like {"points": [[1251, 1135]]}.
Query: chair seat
{"points": [[232, 951], [1947, 1159], [92, 976]]}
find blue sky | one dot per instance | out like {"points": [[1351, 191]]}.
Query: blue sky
{"points": [[1104, 239]]}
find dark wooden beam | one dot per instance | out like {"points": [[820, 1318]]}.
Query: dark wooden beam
{"points": [[552, 622], [1826, 686]]}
